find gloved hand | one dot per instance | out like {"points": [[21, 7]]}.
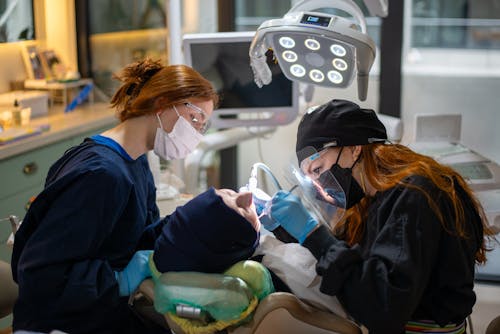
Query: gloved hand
{"points": [[290, 213], [268, 223], [134, 273]]}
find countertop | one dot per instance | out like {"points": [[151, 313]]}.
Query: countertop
{"points": [[62, 125]]}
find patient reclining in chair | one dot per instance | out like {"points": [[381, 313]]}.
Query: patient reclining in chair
{"points": [[215, 231], [196, 261], [209, 233]]}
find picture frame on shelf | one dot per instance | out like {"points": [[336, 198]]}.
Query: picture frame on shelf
{"points": [[52, 65], [33, 62]]}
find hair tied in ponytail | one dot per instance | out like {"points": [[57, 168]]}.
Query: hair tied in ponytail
{"points": [[130, 89], [149, 74]]}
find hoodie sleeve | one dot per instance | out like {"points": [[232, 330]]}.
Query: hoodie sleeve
{"points": [[58, 254]]}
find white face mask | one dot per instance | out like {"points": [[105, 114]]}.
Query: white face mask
{"points": [[177, 144]]}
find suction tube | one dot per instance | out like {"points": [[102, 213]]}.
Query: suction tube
{"points": [[252, 181], [260, 197]]}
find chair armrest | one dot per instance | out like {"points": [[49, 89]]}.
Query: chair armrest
{"points": [[146, 288], [281, 301], [142, 302], [9, 290]]}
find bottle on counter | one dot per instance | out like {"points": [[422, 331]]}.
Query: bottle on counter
{"points": [[16, 114]]}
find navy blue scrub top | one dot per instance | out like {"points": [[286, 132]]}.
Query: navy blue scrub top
{"points": [[87, 222]]}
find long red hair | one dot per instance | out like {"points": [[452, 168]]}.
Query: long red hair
{"points": [[386, 166]]}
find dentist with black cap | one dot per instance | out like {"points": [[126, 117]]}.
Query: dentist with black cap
{"points": [[402, 257]]}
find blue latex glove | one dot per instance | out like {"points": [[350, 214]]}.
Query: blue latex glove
{"points": [[136, 271], [268, 223], [263, 206], [289, 212]]}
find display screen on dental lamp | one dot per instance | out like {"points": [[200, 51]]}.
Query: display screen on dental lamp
{"points": [[223, 59]]}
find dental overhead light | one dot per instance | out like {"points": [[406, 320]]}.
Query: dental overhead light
{"points": [[316, 48]]}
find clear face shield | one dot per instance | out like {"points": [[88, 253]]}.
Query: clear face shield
{"points": [[321, 194]]}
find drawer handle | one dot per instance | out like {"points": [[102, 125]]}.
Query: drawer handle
{"points": [[30, 168]]}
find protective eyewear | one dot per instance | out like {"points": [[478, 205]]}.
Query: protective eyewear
{"points": [[310, 165], [200, 120]]}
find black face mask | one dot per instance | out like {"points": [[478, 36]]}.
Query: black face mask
{"points": [[352, 189]]}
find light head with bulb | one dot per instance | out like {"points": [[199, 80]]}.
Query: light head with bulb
{"points": [[316, 48]]}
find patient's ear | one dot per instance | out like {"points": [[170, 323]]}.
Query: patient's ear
{"points": [[244, 200]]}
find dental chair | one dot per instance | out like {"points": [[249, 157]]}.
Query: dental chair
{"points": [[8, 288], [8, 293], [279, 312], [493, 326]]}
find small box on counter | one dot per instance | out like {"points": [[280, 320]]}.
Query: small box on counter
{"points": [[38, 101]]}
